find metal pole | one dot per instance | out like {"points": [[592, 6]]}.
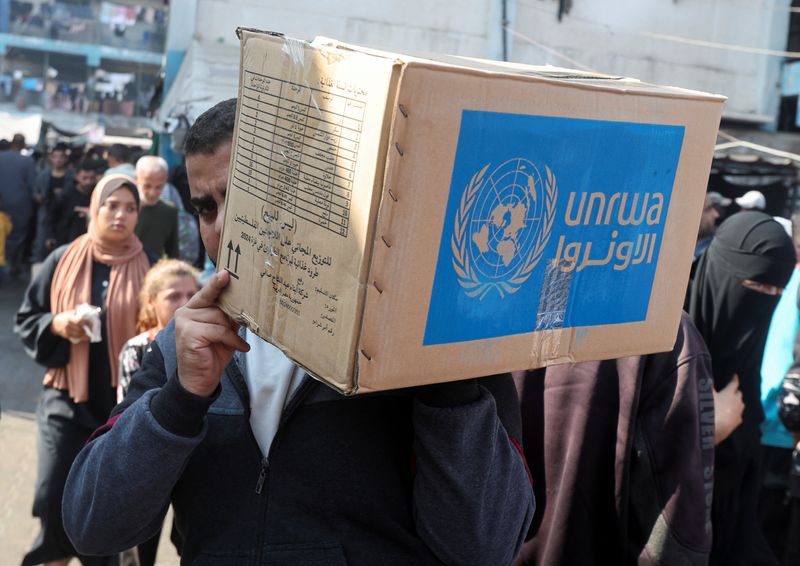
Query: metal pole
{"points": [[504, 26]]}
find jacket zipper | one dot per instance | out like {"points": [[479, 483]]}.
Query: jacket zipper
{"points": [[298, 397], [262, 475]]}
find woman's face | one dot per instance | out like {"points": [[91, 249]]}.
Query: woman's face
{"points": [[174, 293], [117, 216]]}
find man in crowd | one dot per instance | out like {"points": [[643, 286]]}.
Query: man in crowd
{"points": [[48, 190], [266, 465], [118, 157], [789, 412], [158, 221], [778, 507], [752, 200], [712, 211], [68, 213], [18, 173]]}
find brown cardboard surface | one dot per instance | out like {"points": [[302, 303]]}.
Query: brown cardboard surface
{"points": [[381, 266], [298, 258], [433, 95]]}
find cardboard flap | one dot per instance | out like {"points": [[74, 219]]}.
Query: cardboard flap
{"points": [[307, 154]]}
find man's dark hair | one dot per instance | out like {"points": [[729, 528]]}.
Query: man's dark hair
{"points": [[137, 154], [93, 165], [60, 146], [120, 152], [212, 128], [18, 141], [76, 154]]}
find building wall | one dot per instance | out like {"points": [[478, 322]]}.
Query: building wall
{"points": [[452, 26], [610, 36], [614, 36]]}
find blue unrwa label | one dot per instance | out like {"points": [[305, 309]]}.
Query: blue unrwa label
{"points": [[550, 223]]}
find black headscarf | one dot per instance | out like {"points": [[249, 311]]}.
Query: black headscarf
{"points": [[733, 319]]}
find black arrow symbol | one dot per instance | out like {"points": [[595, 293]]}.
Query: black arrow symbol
{"points": [[230, 249], [236, 266]]}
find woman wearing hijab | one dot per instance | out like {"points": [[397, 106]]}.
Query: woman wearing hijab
{"points": [[619, 464], [735, 289], [104, 268]]}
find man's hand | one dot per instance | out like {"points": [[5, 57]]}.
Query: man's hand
{"points": [[70, 326], [728, 409], [205, 339]]}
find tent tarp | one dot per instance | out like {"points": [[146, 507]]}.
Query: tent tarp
{"points": [[209, 73], [28, 125]]}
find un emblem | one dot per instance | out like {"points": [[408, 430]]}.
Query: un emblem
{"points": [[502, 226]]}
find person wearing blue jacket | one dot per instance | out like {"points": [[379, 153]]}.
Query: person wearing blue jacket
{"points": [[789, 414], [265, 465], [779, 511]]}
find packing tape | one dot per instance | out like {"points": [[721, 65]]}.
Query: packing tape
{"points": [[296, 50], [551, 313], [248, 321]]}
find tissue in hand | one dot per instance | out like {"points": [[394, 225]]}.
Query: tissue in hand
{"points": [[91, 315]]}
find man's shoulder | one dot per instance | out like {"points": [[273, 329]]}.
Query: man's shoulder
{"points": [[166, 209], [160, 209], [14, 159], [164, 343], [124, 168], [73, 192]]}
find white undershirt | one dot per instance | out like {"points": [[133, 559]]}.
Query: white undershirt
{"points": [[271, 379]]}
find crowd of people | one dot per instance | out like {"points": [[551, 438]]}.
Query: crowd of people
{"points": [[155, 397], [44, 202]]}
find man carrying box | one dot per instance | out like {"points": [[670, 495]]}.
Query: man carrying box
{"points": [[265, 465]]}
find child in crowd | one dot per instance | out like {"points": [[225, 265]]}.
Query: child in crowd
{"points": [[168, 286], [5, 230]]}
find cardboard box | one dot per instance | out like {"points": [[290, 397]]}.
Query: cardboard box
{"points": [[395, 220]]}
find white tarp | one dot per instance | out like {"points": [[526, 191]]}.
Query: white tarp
{"points": [[29, 126], [209, 74]]}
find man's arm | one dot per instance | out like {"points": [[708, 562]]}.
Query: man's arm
{"points": [[119, 486], [473, 496], [118, 489], [41, 186], [55, 212]]}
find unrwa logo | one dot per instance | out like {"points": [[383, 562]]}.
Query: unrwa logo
{"points": [[502, 226]]}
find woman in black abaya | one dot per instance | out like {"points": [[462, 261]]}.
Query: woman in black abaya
{"points": [[735, 289]]}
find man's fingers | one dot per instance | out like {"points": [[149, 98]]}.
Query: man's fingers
{"points": [[207, 296], [208, 315], [218, 334]]}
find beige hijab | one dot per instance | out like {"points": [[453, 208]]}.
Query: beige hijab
{"points": [[72, 286]]}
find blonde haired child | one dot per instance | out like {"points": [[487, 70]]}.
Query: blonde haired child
{"points": [[168, 285]]}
